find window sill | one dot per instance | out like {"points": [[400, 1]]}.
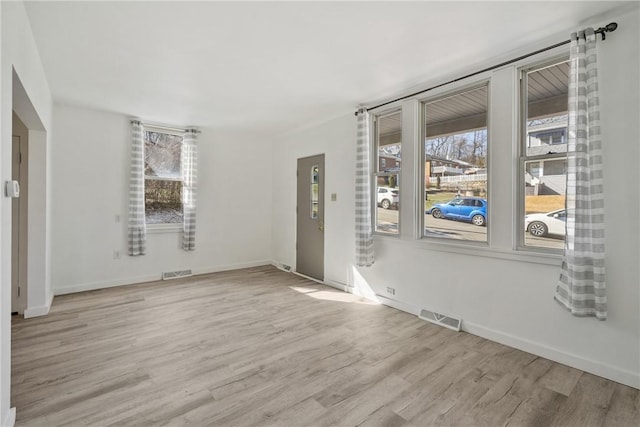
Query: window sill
{"points": [[164, 228], [477, 249]]}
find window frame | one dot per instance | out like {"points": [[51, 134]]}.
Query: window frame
{"points": [[483, 80], [504, 145], [375, 173], [522, 159], [165, 227]]}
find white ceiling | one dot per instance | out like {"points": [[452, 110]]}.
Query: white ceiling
{"points": [[270, 67]]}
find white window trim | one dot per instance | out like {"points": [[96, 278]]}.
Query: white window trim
{"points": [[507, 252], [471, 248], [166, 227], [521, 157], [169, 130], [375, 163], [159, 178], [443, 93]]}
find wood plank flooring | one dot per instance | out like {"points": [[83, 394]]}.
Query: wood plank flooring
{"points": [[260, 347]]}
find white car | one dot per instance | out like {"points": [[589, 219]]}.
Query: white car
{"points": [[542, 224], [387, 197]]}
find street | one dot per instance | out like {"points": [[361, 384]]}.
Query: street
{"points": [[387, 222]]}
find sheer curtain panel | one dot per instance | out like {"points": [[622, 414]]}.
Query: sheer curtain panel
{"points": [[581, 288], [137, 228], [190, 183], [364, 234]]}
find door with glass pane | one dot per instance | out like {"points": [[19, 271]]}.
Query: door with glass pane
{"points": [[310, 217]]}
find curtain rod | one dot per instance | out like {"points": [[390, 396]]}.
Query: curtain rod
{"points": [[165, 127], [602, 30]]}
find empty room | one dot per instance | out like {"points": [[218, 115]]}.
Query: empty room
{"points": [[320, 213]]}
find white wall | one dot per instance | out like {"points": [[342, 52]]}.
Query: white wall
{"points": [[500, 294], [335, 140], [90, 167], [19, 53]]}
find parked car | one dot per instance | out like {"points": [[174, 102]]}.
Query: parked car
{"points": [[542, 224], [470, 209], [388, 197]]}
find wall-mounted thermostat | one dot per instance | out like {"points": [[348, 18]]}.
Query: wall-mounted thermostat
{"points": [[11, 189]]}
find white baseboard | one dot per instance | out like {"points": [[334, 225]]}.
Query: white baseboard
{"points": [[228, 267], [150, 278], [630, 378], [332, 283], [38, 311], [340, 286], [281, 266], [399, 305], [613, 373], [304, 276], [10, 419], [92, 286]]}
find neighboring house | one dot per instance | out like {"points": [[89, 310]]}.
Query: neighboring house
{"points": [[438, 170], [388, 163], [265, 99], [547, 176]]}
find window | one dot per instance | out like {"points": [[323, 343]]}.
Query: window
{"points": [[314, 191], [388, 143], [163, 178], [544, 155], [556, 136], [455, 166]]}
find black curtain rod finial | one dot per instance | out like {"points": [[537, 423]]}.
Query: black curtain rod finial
{"points": [[609, 28]]}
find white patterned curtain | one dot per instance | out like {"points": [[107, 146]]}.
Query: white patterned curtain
{"points": [[190, 185], [581, 288], [137, 228], [364, 235]]}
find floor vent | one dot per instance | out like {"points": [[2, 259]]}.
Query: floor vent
{"points": [[441, 319], [176, 274]]}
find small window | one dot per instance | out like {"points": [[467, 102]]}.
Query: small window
{"points": [[314, 192], [455, 166], [544, 155], [163, 178], [388, 144]]}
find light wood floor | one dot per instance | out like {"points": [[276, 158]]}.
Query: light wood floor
{"points": [[268, 348]]}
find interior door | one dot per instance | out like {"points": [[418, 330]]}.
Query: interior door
{"points": [[15, 230], [310, 217]]}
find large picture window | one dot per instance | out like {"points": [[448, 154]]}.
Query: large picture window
{"points": [[388, 163], [163, 182], [544, 155], [455, 166]]}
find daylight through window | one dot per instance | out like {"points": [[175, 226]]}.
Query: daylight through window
{"points": [[388, 144], [163, 178], [544, 159], [455, 166]]}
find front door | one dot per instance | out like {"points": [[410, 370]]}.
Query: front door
{"points": [[310, 217]]}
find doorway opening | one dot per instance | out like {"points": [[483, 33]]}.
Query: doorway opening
{"points": [[30, 278], [19, 214]]}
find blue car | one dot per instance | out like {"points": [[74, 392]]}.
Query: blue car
{"points": [[470, 209]]}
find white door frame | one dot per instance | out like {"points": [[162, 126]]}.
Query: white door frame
{"points": [[310, 222]]}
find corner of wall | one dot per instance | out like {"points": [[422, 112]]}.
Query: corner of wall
{"points": [[10, 419], [42, 310]]}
